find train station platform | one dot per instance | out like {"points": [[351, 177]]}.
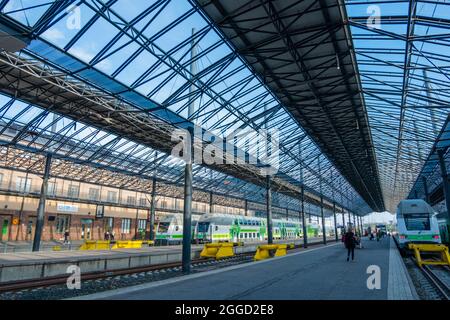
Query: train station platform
{"points": [[316, 273], [36, 265]]}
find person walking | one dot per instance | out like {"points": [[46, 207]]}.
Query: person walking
{"points": [[66, 236], [350, 243]]}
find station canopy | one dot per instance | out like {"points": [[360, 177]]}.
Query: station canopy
{"points": [[106, 82]]}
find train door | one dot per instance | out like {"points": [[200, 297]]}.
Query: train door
{"points": [[86, 229], [5, 227]]}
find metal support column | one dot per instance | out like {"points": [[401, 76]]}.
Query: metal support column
{"points": [[211, 205], [246, 207], [445, 184], [305, 235], [335, 222], [343, 221], [187, 210], [349, 220], [269, 210], [152, 210], [186, 254], [324, 235], [41, 207]]}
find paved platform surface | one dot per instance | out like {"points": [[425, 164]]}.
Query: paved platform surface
{"points": [[318, 273]]}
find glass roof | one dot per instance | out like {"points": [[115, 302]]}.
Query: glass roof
{"points": [[403, 55], [163, 56]]}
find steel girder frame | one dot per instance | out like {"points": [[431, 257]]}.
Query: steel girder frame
{"points": [[428, 185], [302, 51], [349, 194], [84, 161], [403, 66]]}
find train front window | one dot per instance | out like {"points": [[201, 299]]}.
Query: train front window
{"points": [[163, 227], [203, 226], [417, 221]]}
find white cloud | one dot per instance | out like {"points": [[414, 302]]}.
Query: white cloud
{"points": [[53, 35], [81, 53]]}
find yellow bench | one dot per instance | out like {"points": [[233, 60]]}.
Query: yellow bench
{"points": [[217, 250], [120, 244], [95, 245], [264, 251], [419, 248]]}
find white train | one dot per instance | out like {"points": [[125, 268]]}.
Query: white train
{"points": [[225, 227], [416, 223], [170, 228]]}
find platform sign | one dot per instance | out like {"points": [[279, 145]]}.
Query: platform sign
{"points": [[15, 221], [99, 211]]}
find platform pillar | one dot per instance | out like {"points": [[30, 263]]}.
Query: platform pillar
{"points": [[335, 222], [445, 184], [41, 206], [324, 235], [305, 235], [344, 229], [349, 220], [211, 205], [187, 211], [152, 210], [269, 210]]}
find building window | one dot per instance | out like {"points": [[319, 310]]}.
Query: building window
{"points": [[51, 190], [126, 225], [73, 191], [112, 196], [142, 224], [62, 223], [163, 204], [1, 178], [109, 224], [131, 200], [23, 184], [94, 194], [143, 202]]}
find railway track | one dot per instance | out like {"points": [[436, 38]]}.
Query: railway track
{"points": [[434, 280], [441, 286], [57, 280], [174, 269]]}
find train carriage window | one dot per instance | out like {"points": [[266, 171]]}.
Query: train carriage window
{"points": [[216, 228], [417, 221]]}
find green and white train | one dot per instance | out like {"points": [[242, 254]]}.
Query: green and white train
{"points": [[234, 228], [214, 227], [170, 229]]}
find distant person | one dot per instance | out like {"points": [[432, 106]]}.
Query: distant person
{"points": [[111, 235], [350, 243], [378, 235], [106, 236], [66, 236]]}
